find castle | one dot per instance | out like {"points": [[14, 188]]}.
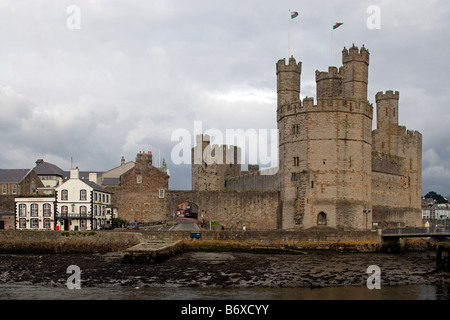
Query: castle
{"points": [[333, 169]]}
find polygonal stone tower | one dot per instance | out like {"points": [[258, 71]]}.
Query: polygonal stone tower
{"points": [[325, 149]]}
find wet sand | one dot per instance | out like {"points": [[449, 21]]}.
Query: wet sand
{"points": [[209, 269]]}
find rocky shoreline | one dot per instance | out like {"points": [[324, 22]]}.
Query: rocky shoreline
{"points": [[223, 269]]}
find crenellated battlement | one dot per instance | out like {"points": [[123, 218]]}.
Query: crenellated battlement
{"points": [[336, 104], [333, 73], [388, 95], [354, 54], [293, 66]]}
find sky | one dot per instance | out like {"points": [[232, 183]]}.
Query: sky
{"points": [[85, 82]]}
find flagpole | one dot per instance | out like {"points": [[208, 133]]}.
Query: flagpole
{"points": [[289, 35], [331, 42]]}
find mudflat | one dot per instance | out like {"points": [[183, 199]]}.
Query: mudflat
{"points": [[224, 269]]}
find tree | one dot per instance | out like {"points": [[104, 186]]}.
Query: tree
{"points": [[435, 196]]}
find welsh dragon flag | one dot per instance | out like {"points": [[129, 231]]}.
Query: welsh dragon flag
{"points": [[294, 14], [337, 25]]}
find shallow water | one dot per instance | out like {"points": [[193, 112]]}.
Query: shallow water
{"points": [[404, 292]]}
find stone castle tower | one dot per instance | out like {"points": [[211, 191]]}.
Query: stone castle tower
{"points": [[325, 149], [212, 164]]}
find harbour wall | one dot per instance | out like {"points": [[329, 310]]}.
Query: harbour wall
{"points": [[15, 241]]}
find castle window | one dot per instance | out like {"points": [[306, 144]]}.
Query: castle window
{"points": [[295, 129], [137, 207], [312, 184], [147, 207], [161, 193], [296, 161], [139, 179], [322, 219]]}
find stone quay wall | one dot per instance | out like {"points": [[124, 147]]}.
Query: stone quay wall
{"points": [[23, 241], [273, 241]]}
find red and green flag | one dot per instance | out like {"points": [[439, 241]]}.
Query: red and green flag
{"points": [[337, 25], [294, 14]]}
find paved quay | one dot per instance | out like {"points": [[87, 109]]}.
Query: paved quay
{"points": [[153, 250]]}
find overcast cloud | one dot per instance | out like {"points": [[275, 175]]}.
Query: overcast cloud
{"points": [[137, 70]]}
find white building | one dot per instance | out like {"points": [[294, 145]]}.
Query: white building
{"points": [[82, 204], [35, 213]]}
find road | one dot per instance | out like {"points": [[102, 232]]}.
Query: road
{"points": [[181, 223]]}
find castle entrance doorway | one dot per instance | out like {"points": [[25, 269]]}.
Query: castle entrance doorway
{"points": [[187, 209], [322, 219]]}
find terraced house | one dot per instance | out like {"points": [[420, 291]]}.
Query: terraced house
{"points": [[82, 204]]}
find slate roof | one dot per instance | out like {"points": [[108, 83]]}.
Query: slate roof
{"points": [[95, 186], [13, 175], [111, 181], [48, 169]]}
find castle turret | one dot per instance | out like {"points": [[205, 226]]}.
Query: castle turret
{"points": [[213, 164], [387, 109], [288, 81], [329, 84], [355, 72]]}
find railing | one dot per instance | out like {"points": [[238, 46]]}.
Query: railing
{"points": [[411, 231], [72, 215]]}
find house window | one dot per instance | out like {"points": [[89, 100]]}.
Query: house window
{"points": [[64, 210], [83, 224], [4, 189], [95, 196], [22, 223], [34, 223], [14, 189], [95, 210], [47, 210], [34, 210], [103, 197], [107, 198], [64, 194], [82, 194], [22, 210], [139, 179], [83, 211], [47, 223]]}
